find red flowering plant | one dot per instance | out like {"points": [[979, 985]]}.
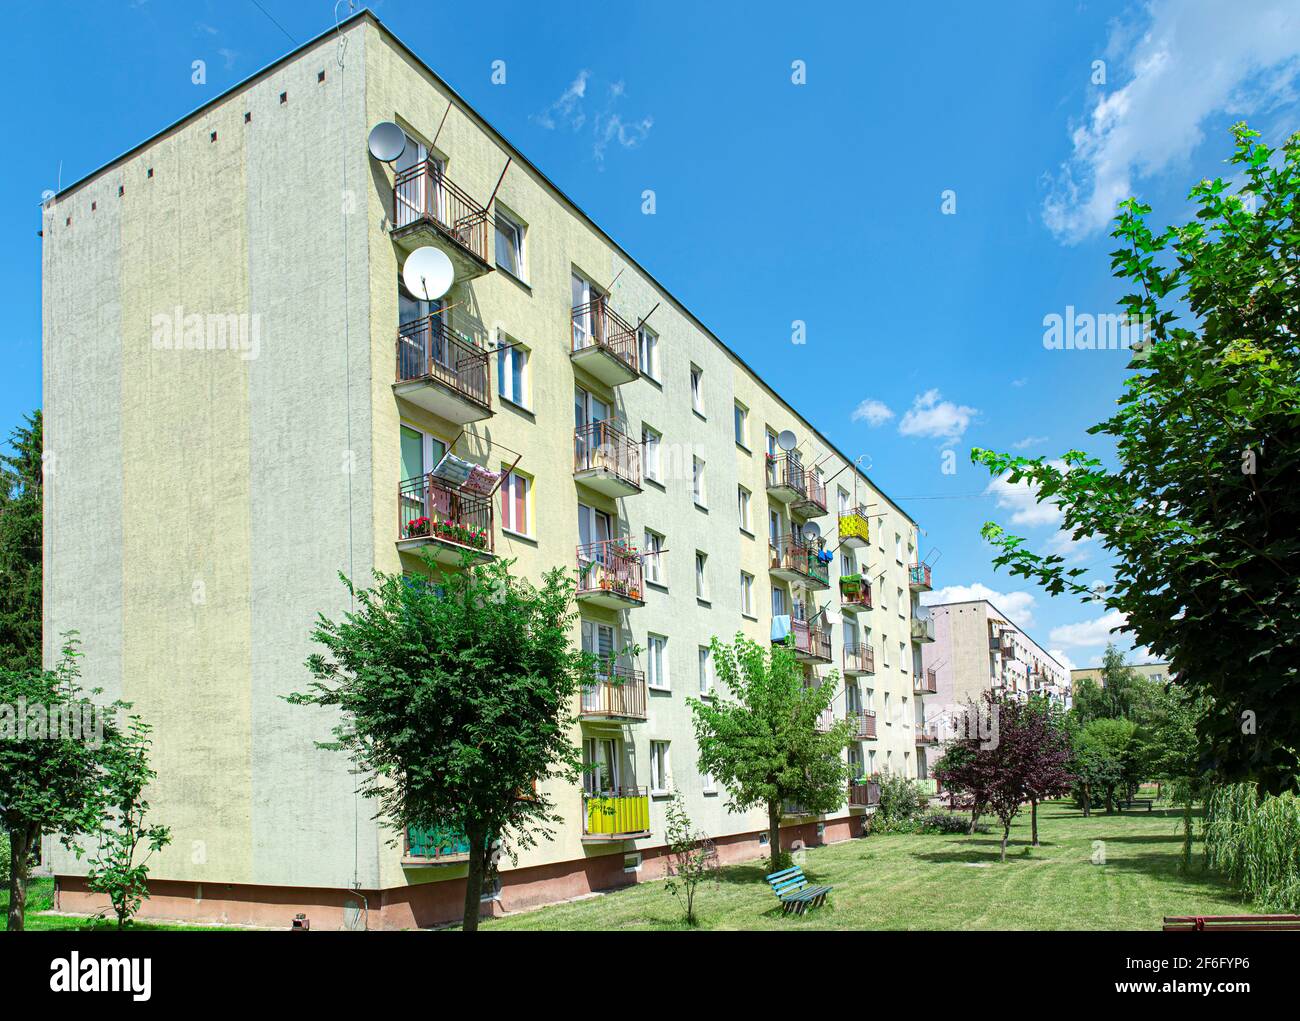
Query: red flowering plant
{"points": [[420, 526]]}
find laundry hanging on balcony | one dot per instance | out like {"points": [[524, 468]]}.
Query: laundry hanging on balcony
{"points": [[453, 469], [780, 627]]}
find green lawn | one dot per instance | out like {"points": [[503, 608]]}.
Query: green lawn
{"points": [[40, 898], [946, 882]]}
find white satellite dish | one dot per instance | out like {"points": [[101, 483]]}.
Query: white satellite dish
{"points": [[428, 273], [387, 141], [786, 440], [812, 530]]}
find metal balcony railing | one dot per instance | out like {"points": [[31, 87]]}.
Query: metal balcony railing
{"points": [[433, 846], [855, 592], [864, 724], [424, 192], [429, 508], [792, 554], [595, 324], [918, 576], [599, 445], [859, 658], [613, 567], [616, 814], [428, 349], [619, 693], [926, 683], [863, 793], [811, 642], [786, 471]]}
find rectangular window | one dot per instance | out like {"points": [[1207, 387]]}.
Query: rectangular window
{"points": [[898, 547], [889, 720], [846, 565], [898, 594], [746, 594], [697, 482], [697, 389], [742, 425], [512, 371], [778, 603], [647, 342], [660, 779], [650, 440], [701, 575], [742, 506], [708, 783], [516, 503], [843, 500], [510, 245], [654, 544], [706, 670], [657, 656]]}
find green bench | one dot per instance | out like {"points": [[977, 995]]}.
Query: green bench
{"points": [[793, 891]]}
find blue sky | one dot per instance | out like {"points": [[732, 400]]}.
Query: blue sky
{"points": [[822, 202]]}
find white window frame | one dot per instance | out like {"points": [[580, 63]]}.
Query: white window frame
{"points": [[650, 442], [657, 670], [509, 351], [746, 594], [647, 347], [698, 492], [654, 544], [509, 485], [697, 390], [520, 231], [661, 774], [704, 662], [740, 420], [701, 575], [744, 502]]}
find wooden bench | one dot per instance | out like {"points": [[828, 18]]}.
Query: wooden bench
{"points": [[794, 892], [1226, 923], [1148, 802]]}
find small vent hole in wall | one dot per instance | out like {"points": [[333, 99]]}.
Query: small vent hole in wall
{"points": [[320, 76], [284, 97], [214, 137], [247, 116], [149, 173]]}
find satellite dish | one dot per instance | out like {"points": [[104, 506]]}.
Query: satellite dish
{"points": [[387, 141], [428, 273], [786, 440], [812, 530]]}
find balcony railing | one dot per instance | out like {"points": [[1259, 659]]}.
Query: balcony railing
{"points": [[918, 576], [825, 720], [796, 560], [598, 328], [621, 814], [611, 572], [859, 659], [855, 593], [811, 643], [434, 846], [812, 502], [428, 508], [424, 193], [618, 694], [600, 448], [926, 683], [863, 793], [923, 628], [786, 478], [428, 349], [864, 724], [927, 734], [854, 529]]}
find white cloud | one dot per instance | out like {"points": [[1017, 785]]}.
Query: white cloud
{"points": [[1195, 58], [873, 412], [568, 107], [939, 419], [1063, 545], [1021, 499], [1028, 441], [1019, 382], [1062, 658], [1089, 633], [608, 127], [1019, 606]]}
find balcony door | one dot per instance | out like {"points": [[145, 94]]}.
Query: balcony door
{"points": [[852, 699], [601, 641], [602, 758], [420, 452], [421, 192], [594, 526], [584, 323], [588, 409], [422, 345]]}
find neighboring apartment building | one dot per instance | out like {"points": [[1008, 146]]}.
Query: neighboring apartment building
{"points": [[977, 648], [1151, 671], [205, 495]]}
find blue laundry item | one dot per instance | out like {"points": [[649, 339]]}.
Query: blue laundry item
{"points": [[825, 556], [780, 627]]}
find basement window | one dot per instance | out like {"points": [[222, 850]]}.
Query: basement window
{"points": [[632, 862]]}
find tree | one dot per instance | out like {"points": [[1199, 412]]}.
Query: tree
{"points": [[1165, 746], [1052, 778], [1026, 757], [761, 739], [456, 693], [1201, 513], [692, 858], [52, 778], [114, 870], [20, 548], [1115, 697], [1104, 760]]}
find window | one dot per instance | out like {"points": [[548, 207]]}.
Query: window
{"points": [[650, 441], [742, 425], [647, 343], [884, 656], [778, 603], [889, 720], [657, 654], [512, 371], [706, 670], [708, 783], [898, 547], [769, 443], [697, 482], [843, 501], [510, 245], [774, 528], [660, 779], [632, 862], [654, 545], [846, 565], [604, 758], [701, 575], [746, 594], [697, 389], [516, 510], [742, 506], [898, 594]]}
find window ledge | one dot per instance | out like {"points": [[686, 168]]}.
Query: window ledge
{"points": [[519, 535]]}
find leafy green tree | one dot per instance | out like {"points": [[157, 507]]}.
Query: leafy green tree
{"points": [[1115, 697], [1201, 513], [761, 737], [692, 858], [1165, 747], [20, 548], [1103, 762], [51, 782], [456, 694], [124, 833]]}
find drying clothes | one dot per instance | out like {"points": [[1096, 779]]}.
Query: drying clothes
{"points": [[780, 627], [481, 481], [453, 469]]}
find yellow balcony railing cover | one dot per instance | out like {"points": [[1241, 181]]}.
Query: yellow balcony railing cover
{"points": [[609, 814], [854, 526]]}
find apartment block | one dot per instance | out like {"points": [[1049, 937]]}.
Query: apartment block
{"points": [[1158, 672], [268, 405], [977, 648]]}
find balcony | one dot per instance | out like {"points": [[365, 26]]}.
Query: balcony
{"points": [[927, 734], [863, 793], [434, 847], [859, 659], [811, 644], [927, 683], [786, 479], [854, 530], [447, 520], [604, 344], [812, 502], [610, 573], [793, 559], [429, 210], [442, 372], [918, 577], [864, 725], [825, 721], [606, 460], [794, 810], [855, 593], [622, 814], [923, 628], [619, 695]]}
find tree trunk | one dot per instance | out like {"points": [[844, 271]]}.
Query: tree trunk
{"points": [[774, 833], [20, 856], [477, 838], [974, 819], [1006, 832], [1033, 819], [1187, 833], [1087, 802]]}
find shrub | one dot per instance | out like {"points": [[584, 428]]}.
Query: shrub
{"points": [[901, 800], [1254, 842], [946, 822]]}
